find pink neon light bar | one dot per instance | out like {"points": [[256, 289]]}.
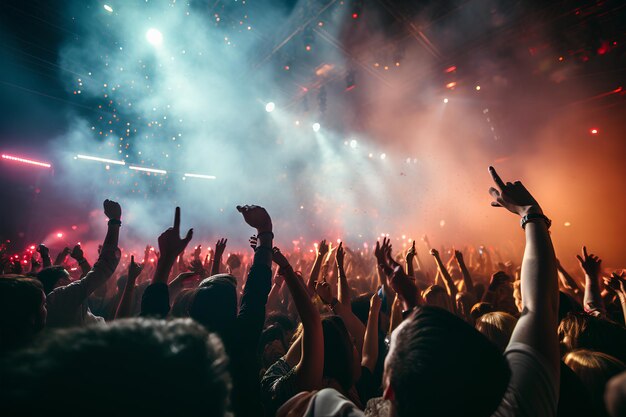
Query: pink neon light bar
{"points": [[26, 161]]}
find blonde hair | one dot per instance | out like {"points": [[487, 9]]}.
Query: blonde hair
{"points": [[497, 327], [594, 370]]}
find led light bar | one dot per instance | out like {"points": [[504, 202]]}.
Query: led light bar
{"points": [[95, 158], [208, 177], [153, 170], [26, 161]]}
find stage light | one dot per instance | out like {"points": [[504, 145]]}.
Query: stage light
{"points": [[154, 37], [355, 15], [59, 235], [451, 85], [155, 171], [371, 155], [316, 127], [95, 158], [353, 144], [477, 88], [206, 177], [567, 224], [26, 161], [445, 100], [593, 131], [383, 155], [108, 8], [269, 107]]}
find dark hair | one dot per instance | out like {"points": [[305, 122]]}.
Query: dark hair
{"points": [[585, 331], [50, 276], [139, 357], [20, 306], [281, 320], [480, 309], [361, 307], [567, 304], [434, 347], [214, 304], [338, 352]]}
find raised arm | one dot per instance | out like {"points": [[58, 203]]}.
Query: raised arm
{"points": [[592, 300], [79, 256], [60, 259], [447, 279], [45, 255], [170, 246], [322, 250], [125, 305], [410, 255], [309, 368], [467, 278], [220, 246], [369, 356], [343, 289], [568, 281], [617, 283], [537, 326]]}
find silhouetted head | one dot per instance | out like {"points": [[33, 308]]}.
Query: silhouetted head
{"points": [[53, 277], [432, 349]]}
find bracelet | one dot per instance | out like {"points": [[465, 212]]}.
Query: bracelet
{"points": [[115, 222], [534, 216]]}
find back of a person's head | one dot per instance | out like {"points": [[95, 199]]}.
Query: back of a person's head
{"points": [[432, 353], [361, 307], [481, 308], [594, 370], [615, 396], [437, 296], [131, 367], [567, 304], [497, 327], [182, 303], [50, 276], [214, 304], [584, 331], [22, 310], [338, 352]]}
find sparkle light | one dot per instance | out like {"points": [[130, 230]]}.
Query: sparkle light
{"points": [[26, 161], [105, 160], [269, 107], [154, 37], [108, 8], [206, 177], [316, 127], [153, 170], [477, 88], [383, 155], [59, 235], [445, 100], [594, 131], [353, 144]]}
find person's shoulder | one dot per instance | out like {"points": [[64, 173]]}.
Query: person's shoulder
{"points": [[331, 403]]}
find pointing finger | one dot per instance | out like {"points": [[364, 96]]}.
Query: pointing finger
{"points": [[496, 178]]}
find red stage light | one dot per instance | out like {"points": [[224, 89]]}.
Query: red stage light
{"points": [[593, 131], [450, 69], [355, 15]]}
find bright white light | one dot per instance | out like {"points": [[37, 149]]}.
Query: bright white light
{"points": [[353, 144], [445, 100], [316, 127], [206, 177], [156, 171], [95, 158], [26, 161], [477, 88], [269, 107], [154, 37], [108, 8], [383, 155], [59, 235]]}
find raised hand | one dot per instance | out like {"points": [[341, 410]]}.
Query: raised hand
{"points": [[279, 259], [512, 196], [220, 247], [256, 217], [253, 242], [77, 253], [112, 210], [43, 250], [459, 256], [405, 287], [410, 254], [61, 256], [197, 251], [498, 279], [325, 292], [616, 282], [322, 249], [170, 243], [590, 263], [340, 256], [435, 253], [134, 269]]}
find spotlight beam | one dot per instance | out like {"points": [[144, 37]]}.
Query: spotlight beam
{"points": [[207, 177]]}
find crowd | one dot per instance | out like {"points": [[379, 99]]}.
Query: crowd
{"points": [[340, 332]]}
